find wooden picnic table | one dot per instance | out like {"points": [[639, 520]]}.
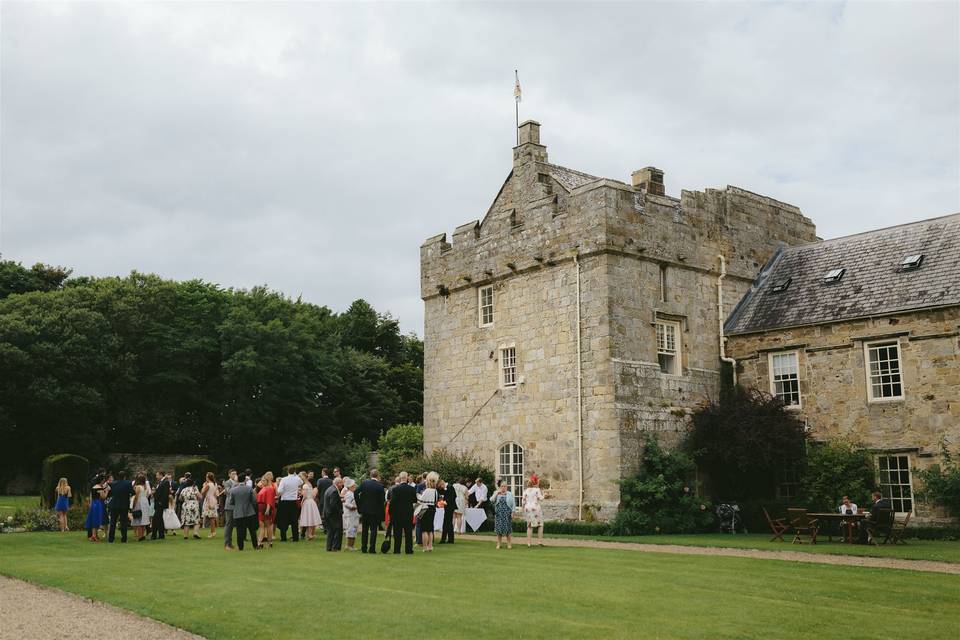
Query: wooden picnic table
{"points": [[847, 522]]}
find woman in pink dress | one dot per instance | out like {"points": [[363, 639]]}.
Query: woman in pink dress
{"points": [[309, 512], [211, 503]]}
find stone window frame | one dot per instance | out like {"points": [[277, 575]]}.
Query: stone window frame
{"points": [[867, 346], [773, 382], [516, 455], [883, 487], [678, 345], [481, 306], [502, 368]]}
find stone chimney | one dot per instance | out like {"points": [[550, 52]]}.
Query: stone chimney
{"points": [[529, 148], [650, 179]]}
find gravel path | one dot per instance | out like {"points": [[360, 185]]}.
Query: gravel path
{"points": [[793, 556], [30, 612]]}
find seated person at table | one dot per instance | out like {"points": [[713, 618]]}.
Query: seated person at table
{"points": [[870, 523], [848, 508]]}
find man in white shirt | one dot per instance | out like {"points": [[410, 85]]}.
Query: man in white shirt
{"points": [[479, 492], [287, 515]]}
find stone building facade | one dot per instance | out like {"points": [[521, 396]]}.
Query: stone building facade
{"points": [[582, 313], [861, 336]]}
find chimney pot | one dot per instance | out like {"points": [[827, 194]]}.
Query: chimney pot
{"points": [[530, 132], [650, 179]]}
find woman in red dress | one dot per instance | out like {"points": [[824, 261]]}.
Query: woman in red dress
{"points": [[266, 508]]}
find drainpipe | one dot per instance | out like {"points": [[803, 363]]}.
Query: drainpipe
{"points": [[576, 261], [723, 340]]}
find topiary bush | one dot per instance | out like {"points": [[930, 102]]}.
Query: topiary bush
{"points": [[660, 498], [76, 469], [198, 468], [450, 466]]}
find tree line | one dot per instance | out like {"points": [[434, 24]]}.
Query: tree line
{"points": [[144, 364]]}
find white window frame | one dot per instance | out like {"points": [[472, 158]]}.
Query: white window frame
{"points": [[509, 378], [664, 350], [884, 486], [867, 347], [510, 463], [771, 358], [481, 306]]}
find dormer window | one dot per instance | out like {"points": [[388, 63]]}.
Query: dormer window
{"points": [[911, 262], [834, 275], [781, 285]]}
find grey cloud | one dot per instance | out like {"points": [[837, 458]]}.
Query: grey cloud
{"points": [[313, 147]]}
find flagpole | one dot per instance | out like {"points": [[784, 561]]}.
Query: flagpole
{"points": [[516, 104]]}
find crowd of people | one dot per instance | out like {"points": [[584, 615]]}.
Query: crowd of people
{"points": [[297, 505]]}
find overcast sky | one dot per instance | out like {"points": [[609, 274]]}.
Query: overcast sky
{"points": [[313, 147]]}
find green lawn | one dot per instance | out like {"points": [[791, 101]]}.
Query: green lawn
{"points": [[9, 504], [940, 550], [472, 590]]}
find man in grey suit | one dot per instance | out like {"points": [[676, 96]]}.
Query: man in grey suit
{"points": [[244, 511], [333, 515], [228, 484]]}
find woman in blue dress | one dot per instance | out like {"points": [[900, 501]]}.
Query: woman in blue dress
{"points": [[63, 503], [97, 514], [503, 506]]}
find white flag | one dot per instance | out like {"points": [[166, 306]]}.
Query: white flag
{"points": [[516, 88]]}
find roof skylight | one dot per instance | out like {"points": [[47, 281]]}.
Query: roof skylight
{"points": [[911, 262], [781, 285], [834, 275]]}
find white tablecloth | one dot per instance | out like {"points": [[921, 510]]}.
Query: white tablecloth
{"points": [[472, 518]]}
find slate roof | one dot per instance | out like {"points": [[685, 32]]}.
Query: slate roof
{"points": [[569, 178], [873, 282]]}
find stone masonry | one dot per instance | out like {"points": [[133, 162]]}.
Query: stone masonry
{"points": [[570, 254]]}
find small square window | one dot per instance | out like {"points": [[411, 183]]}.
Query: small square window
{"points": [[911, 262], [834, 275]]}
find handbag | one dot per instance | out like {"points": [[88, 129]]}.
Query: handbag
{"points": [[137, 513], [385, 545]]}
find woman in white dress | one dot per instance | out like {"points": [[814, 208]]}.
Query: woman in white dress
{"points": [[461, 505], [309, 512], [532, 510], [351, 517]]}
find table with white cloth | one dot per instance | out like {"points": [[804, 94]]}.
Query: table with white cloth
{"points": [[473, 518]]}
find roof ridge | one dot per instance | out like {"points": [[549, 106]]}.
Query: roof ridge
{"points": [[875, 231]]}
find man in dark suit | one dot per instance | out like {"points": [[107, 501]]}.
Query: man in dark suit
{"points": [[449, 495], [333, 515], [324, 482], [402, 499], [161, 495], [371, 499], [121, 490], [870, 523]]}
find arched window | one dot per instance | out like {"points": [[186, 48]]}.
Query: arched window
{"points": [[511, 468]]}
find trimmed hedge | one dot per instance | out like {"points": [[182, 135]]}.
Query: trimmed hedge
{"points": [[568, 527], [76, 469], [198, 468]]}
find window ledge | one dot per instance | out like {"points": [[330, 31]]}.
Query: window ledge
{"points": [[899, 400]]}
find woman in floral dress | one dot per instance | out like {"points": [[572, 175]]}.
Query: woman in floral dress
{"points": [[190, 510], [210, 495], [503, 506]]}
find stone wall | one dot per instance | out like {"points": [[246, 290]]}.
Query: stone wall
{"points": [[833, 381]]}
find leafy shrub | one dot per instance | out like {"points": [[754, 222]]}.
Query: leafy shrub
{"points": [[399, 442], [450, 466], [569, 527], [743, 440], [351, 456], [658, 499], [833, 469], [941, 483], [308, 466], [198, 468], [75, 469]]}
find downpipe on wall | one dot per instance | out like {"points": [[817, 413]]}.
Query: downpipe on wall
{"points": [[576, 261]]}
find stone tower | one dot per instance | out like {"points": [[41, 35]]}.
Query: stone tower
{"points": [[581, 313]]}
